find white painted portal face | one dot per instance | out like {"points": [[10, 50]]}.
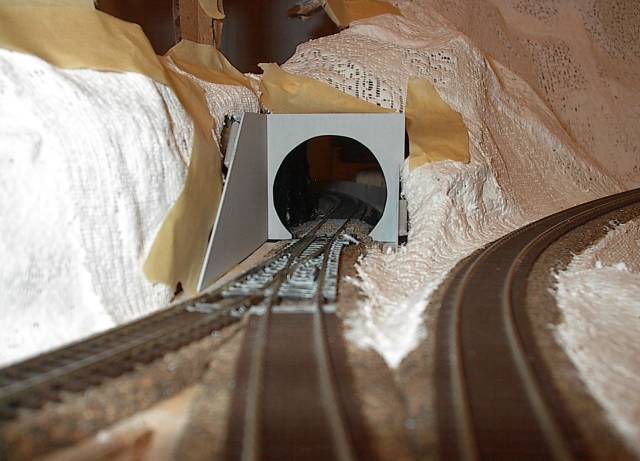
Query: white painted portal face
{"points": [[382, 134], [247, 216]]}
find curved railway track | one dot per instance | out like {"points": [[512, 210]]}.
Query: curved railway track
{"points": [[495, 399]]}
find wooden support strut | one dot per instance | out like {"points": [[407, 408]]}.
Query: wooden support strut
{"points": [[195, 24]]}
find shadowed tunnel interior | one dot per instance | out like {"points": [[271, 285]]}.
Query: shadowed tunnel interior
{"points": [[322, 165]]}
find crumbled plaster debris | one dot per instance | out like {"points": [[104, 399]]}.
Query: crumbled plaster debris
{"points": [[350, 238]]}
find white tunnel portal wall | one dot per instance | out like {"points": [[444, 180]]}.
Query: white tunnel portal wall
{"points": [[382, 134], [247, 216], [240, 225]]}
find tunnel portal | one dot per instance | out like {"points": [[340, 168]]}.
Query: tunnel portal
{"points": [[324, 165], [280, 162]]}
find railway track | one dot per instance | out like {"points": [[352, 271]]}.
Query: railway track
{"points": [[292, 398], [79, 366], [495, 399]]}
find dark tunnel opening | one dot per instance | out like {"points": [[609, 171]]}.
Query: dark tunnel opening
{"points": [[324, 165]]}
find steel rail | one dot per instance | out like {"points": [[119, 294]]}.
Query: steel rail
{"points": [[334, 414], [494, 398], [288, 402], [250, 442], [218, 292], [83, 364]]}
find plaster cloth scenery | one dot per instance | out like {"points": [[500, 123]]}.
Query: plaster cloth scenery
{"points": [[599, 297], [81, 207], [549, 94], [551, 117]]}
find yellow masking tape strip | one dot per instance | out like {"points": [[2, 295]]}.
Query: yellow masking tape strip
{"points": [[344, 12], [206, 63], [78, 37], [178, 250], [213, 8], [285, 93], [74, 36], [436, 132]]}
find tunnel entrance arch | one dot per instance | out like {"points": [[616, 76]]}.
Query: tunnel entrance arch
{"points": [[380, 134], [320, 167]]}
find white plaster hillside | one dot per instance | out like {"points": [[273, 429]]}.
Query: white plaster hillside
{"points": [[529, 156], [599, 297], [90, 163]]}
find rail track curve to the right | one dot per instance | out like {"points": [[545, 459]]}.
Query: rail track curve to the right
{"points": [[495, 399]]}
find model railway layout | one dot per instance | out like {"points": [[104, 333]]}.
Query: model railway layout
{"points": [[293, 396]]}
